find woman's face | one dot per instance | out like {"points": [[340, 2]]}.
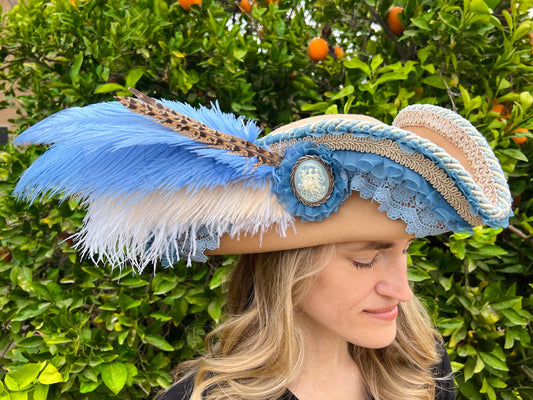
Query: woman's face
{"points": [[356, 295]]}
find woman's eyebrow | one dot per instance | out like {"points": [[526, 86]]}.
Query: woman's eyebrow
{"points": [[373, 245]]}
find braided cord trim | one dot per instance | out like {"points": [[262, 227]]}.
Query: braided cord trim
{"points": [[464, 136], [390, 149]]}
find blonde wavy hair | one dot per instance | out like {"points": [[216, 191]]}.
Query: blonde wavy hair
{"points": [[258, 350]]}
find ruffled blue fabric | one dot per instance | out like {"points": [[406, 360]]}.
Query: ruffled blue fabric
{"points": [[282, 182], [401, 193]]}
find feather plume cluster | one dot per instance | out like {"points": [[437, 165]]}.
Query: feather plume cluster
{"points": [[154, 178]]}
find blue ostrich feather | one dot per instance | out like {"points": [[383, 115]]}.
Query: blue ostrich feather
{"points": [[105, 148], [118, 127]]}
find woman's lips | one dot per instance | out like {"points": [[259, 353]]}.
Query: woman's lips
{"points": [[385, 314]]}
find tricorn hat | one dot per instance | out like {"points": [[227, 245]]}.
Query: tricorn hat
{"points": [[162, 180]]}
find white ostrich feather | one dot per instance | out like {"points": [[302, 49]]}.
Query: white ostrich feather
{"points": [[141, 228]]}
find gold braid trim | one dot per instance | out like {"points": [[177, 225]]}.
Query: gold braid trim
{"points": [[387, 148], [454, 133]]}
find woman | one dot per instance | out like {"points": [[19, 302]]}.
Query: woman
{"points": [[323, 210], [321, 323]]}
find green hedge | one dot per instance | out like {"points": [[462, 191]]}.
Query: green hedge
{"points": [[72, 330]]}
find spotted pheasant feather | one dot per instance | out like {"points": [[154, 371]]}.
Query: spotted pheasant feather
{"points": [[193, 129]]}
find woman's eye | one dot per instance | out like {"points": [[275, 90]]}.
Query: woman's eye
{"points": [[359, 264]]}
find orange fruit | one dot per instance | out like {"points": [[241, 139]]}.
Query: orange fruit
{"points": [[498, 108], [521, 139], [245, 6], [502, 109], [339, 52], [393, 21], [318, 49], [186, 4]]}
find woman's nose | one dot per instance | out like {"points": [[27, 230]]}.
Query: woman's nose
{"points": [[394, 282]]}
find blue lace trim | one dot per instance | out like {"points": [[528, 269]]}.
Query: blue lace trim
{"points": [[191, 250], [402, 194]]}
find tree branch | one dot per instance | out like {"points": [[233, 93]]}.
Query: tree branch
{"points": [[519, 233], [403, 55]]}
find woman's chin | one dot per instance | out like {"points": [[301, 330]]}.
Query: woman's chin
{"points": [[376, 340]]}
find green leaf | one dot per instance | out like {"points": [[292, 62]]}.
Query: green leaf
{"points": [[114, 376], [435, 81], [523, 29], [493, 361], [514, 317], [50, 375], [451, 322], [239, 53], [355, 63], [215, 309], [32, 311], [4, 395], [390, 76], [132, 372], [416, 274], [321, 106], [22, 378], [133, 77], [490, 250], [109, 87], [514, 153], [40, 392], [165, 285], [87, 386], [348, 90], [457, 336], [160, 316], [502, 305], [526, 99], [19, 396], [466, 350], [219, 277], [479, 6], [377, 60], [458, 249], [332, 109], [474, 365], [446, 282], [158, 342], [492, 3], [425, 52], [421, 22], [470, 391], [451, 20], [75, 70], [496, 383], [486, 388]]}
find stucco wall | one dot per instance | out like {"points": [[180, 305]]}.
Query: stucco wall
{"points": [[10, 112]]}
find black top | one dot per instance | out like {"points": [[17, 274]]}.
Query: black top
{"points": [[443, 372]]}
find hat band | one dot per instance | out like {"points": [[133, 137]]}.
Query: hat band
{"points": [[416, 162]]}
